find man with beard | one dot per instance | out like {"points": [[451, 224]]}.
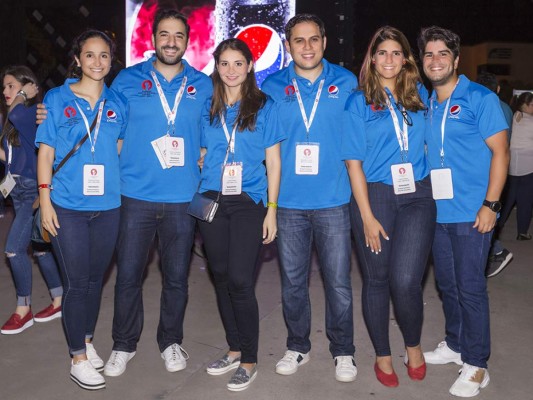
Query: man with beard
{"points": [[159, 176], [468, 156], [314, 195]]}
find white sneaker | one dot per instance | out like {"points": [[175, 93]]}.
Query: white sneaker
{"points": [[116, 365], [443, 355], [290, 362], [345, 369], [84, 374], [175, 358], [93, 357], [470, 381]]}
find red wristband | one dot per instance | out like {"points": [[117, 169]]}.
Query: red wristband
{"points": [[45, 186]]}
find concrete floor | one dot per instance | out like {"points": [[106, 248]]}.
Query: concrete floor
{"points": [[35, 363]]}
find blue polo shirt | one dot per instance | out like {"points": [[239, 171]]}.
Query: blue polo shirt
{"points": [[141, 174], [331, 186], [369, 136], [24, 157], [249, 149], [64, 128], [474, 115]]}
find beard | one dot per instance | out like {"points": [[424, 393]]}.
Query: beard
{"points": [[167, 60]]}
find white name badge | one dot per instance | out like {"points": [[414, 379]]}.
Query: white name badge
{"points": [[174, 151], [93, 180], [307, 157], [403, 178], [7, 184], [159, 147], [442, 184], [232, 179]]}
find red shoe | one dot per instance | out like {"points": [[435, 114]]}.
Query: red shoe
{"points": [[48, 314], [389, 380], [16, 324], [416, 374]]}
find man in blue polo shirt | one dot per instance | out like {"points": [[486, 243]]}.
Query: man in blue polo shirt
{"points": [[159, 175], [469, 157], [314, 195]]}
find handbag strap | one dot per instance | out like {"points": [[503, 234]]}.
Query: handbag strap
{"points": [[77, 146]]}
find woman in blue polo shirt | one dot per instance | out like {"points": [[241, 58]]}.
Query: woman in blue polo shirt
{"points": [[17, 150], [239, 131], [80, 203], [392, 209]]}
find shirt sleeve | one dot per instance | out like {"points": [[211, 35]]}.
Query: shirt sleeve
{"points": [[273, 130], [490, 116], [23, 119], [353, 130], [47, 130]]}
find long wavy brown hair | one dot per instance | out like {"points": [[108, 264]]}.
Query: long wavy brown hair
{"points": [[252, 99], [406, 82]]}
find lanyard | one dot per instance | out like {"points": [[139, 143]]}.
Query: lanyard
{"points": [[231, 140], [96, 128], [401, 134], [9, 156], [443, 123], [308, 122], [170, 114]]}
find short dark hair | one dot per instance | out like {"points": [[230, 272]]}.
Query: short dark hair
{"points": [[434, 33], [299, 18], [169, 13], [488, 80]]}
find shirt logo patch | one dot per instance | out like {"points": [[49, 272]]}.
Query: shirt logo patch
{"points": [[69, 112], [191, 92], [455, 110], [333, 92], [290, 90], [146, 85], [111, 116]]}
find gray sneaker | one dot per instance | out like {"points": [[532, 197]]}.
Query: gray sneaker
{"points": [[223, 365], [241, 379], [498, 262]]}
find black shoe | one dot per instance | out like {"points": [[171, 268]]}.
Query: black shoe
{"points": [[523, 236], [498, 262]]}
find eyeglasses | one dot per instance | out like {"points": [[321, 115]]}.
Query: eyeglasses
{"points": [[406, 117]]}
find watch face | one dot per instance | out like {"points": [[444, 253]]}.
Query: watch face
{"points": [[496, 206]]}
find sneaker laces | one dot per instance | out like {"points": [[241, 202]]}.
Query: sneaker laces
{"points": [[468, 373], [87, 368], [344, 362], [290, 356], [177, 352], [116, 360]]}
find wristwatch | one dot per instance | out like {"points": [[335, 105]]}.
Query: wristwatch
{"points": [[495, 206]]}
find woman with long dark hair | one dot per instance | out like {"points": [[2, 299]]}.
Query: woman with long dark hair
{"points": [[392, 209], [17, 150], [239, 131], [80, 202]]}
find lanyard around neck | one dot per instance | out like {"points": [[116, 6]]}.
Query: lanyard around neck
{"points": [[308, 121], [401, 134], [443, 122], [170, 114], [231, 140], [96, 128]]}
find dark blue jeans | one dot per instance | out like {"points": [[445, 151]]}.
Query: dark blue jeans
{"points": [[396, 272], [83, 247], [233, 242], [23, 195], [140, 221], [460, 254], [329, 229]]}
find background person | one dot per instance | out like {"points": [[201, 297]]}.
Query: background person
{"points": [[240, 112], [82, 211], [17, 150], [393, 221]]}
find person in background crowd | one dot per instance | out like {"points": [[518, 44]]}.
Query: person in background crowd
{"points": [[465, 118], [499, 257], [392, 210], [17, 151], [239, 131], [314, 195], [80, 203]]}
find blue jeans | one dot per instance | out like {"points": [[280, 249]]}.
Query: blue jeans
{"points": [[140, 221], [23, 195], [330, 230], [233, 242], [396, 272], [83, 247], [460, 254]]}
